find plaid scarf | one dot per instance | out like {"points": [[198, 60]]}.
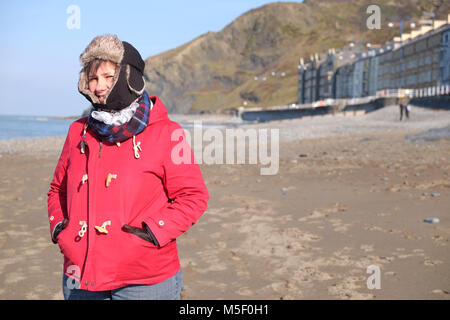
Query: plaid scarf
{"points": [[137, 124]]}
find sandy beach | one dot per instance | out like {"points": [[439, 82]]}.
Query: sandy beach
{"points": [[351, 192]]}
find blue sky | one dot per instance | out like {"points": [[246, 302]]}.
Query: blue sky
{"points": [[39, 55]]}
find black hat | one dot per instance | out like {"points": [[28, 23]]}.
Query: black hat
{"points": [[129, 80]]}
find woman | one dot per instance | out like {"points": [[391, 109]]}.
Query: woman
{"points": [[117, 201]]}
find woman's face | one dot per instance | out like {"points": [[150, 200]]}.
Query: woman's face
{"points": [[102, 79]]}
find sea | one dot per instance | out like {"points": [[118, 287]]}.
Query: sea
{"points": [[41, 126], [32, 126]]}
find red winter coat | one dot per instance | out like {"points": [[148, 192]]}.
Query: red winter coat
{"points": [[167, 196]]}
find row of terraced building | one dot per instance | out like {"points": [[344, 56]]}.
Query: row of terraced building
{"points": [[416, 64]]}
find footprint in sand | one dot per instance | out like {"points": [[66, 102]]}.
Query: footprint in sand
{"points": [[440, 291], [14, 277], [366, 247], [431, 263], [324, 213], [245, 291]]}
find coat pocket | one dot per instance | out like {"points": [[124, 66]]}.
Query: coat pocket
{"points": [[70, 243], [138, 241], [60, 240]]}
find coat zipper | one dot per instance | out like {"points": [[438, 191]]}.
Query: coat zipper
{"points": [[90, 218]]}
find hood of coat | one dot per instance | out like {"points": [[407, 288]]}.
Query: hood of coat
{"points": [[158, 112]]}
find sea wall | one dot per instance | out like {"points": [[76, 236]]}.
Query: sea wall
{"points": [[436, 102]]}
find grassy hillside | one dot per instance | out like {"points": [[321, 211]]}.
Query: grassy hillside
{"points": [[217, 69]]}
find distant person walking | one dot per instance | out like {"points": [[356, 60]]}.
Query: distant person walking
{"points": [[407, 110], [402, 110]]}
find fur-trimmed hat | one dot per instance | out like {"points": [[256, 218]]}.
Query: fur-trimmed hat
{"points": [[129, 80]]}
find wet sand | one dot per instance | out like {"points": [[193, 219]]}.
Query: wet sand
{"points": [[349, 194]]}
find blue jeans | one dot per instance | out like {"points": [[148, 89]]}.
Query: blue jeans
{"points": [[169, 289]]}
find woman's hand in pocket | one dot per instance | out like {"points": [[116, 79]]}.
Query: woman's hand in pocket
{"points": [[141, 233], [59, 228]]}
